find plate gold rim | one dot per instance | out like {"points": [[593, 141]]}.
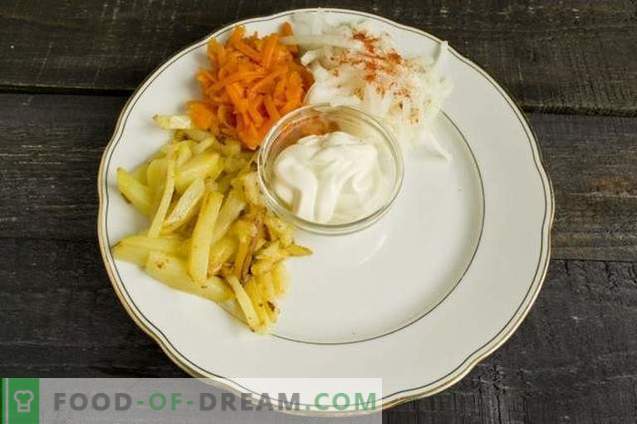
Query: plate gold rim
{"points": [[396, 398]]}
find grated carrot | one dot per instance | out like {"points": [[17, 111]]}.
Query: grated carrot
{"points": [[271, 108], [251, 83]]}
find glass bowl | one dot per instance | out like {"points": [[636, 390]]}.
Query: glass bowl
{"points": [[320, 119]]}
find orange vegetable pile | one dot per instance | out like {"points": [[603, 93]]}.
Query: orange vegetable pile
{"points": [[252, 83]]}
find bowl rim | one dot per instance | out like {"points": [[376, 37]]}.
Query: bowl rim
{"points": [[275, 203]]}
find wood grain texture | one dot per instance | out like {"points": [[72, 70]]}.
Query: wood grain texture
{"points": [[574, 359], [50, 147], [566, 56], [65, 320], [592, 162]]}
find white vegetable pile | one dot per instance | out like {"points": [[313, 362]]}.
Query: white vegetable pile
{"points": [[355, 65]]}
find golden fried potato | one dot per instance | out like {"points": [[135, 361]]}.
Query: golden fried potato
{"points": [[164, 202], [139, 173], [134, 254], [184, 153], [156, 174], [230, 210], [279, 230], [205, 165], [139, 195], [173, 122], [197, 134], [166, 244], [210, 233], [186, 207], [221, 252], [296, 250], [259, 305], [244, 302], [202, 237], [173, 272], [280, 278], [266, 282]]}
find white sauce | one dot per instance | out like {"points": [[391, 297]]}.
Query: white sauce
{"points": [[331, 178]]}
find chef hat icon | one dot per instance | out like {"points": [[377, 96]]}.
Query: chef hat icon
{"points": [[23, 399]]}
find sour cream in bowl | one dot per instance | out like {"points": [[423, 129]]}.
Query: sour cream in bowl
{"points": [[330, 170]]}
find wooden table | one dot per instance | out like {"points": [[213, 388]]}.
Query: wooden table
{"points": [[67, 68]]}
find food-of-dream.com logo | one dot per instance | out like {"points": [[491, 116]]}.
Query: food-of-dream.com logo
{"points": [[20, 401], [165, 401], [225, 401], [23, 399]]}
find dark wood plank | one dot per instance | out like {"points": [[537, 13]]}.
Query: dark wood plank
{"points": [[61, 318], [50, 147], [574, 359], [592, 162], [567, 56]]}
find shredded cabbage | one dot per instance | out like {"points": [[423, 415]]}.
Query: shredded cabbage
{"points": [[355, 65]]}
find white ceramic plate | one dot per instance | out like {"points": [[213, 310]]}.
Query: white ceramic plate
{"points": [[417, 299]]}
